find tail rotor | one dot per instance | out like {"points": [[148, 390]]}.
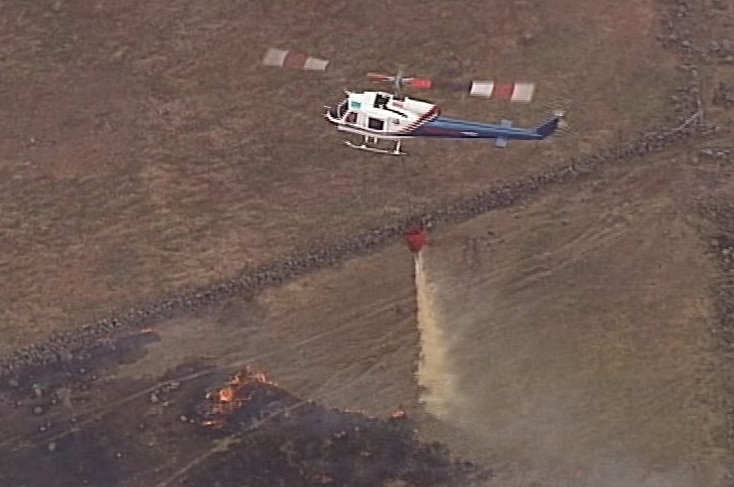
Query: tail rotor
{"points": [[564, 128]]}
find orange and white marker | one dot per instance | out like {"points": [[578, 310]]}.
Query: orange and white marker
{"points": [[294, 60]]}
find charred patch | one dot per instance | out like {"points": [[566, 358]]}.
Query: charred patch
{"points": [[281, 439], [84, 458], [82, 365]]}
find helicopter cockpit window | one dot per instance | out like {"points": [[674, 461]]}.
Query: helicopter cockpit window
{"points": [[381, 101]]}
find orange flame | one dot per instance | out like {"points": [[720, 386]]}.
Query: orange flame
{"points": [[232, 397], [227, 394]]}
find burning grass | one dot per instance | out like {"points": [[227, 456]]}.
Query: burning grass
{"points": [[284, 440], [248, 431], [247, 392]]}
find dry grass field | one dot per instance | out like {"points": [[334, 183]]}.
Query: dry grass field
{"points": [[144, 150], [577, 331], [580, 334]]}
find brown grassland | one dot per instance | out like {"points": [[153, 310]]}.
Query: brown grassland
{"points": [[144, 150]]}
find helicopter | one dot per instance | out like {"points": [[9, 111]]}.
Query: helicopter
{"points": [[382, 116]]}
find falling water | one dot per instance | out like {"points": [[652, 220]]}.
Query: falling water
{"points": [[434, 375]]}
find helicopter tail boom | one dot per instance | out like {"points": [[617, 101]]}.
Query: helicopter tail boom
{"points": [[549, 127]]}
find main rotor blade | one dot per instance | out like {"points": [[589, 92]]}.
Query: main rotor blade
{"points": [[521, 92], [293, 60], [421, 83], [379, 77], [517, 92]]}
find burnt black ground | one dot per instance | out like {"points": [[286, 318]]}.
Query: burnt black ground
{"points": [[119, 436]]}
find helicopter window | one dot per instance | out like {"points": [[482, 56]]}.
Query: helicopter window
{"points": [[376, 124], [381, 101], [351, 117], [342, 109]]}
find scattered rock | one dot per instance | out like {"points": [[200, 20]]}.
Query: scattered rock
{"points": [[170, 387], [724, 95], [719, 153]]}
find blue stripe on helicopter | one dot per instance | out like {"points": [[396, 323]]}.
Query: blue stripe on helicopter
{"points": [[449, 127], [442, 127]]}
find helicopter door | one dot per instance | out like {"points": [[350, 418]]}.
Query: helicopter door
{"points": [[351, 118]]}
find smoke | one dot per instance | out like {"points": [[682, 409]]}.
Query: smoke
{"points": [[434, 375]]}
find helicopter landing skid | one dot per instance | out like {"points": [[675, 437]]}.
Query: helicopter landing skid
{"points": [[363, 146]]}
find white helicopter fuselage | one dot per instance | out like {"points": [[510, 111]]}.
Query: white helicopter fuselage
{"points": [[376, 115], [380, 115]]}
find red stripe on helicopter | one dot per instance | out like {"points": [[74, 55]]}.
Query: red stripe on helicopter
{"points": [[426, 117]]}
